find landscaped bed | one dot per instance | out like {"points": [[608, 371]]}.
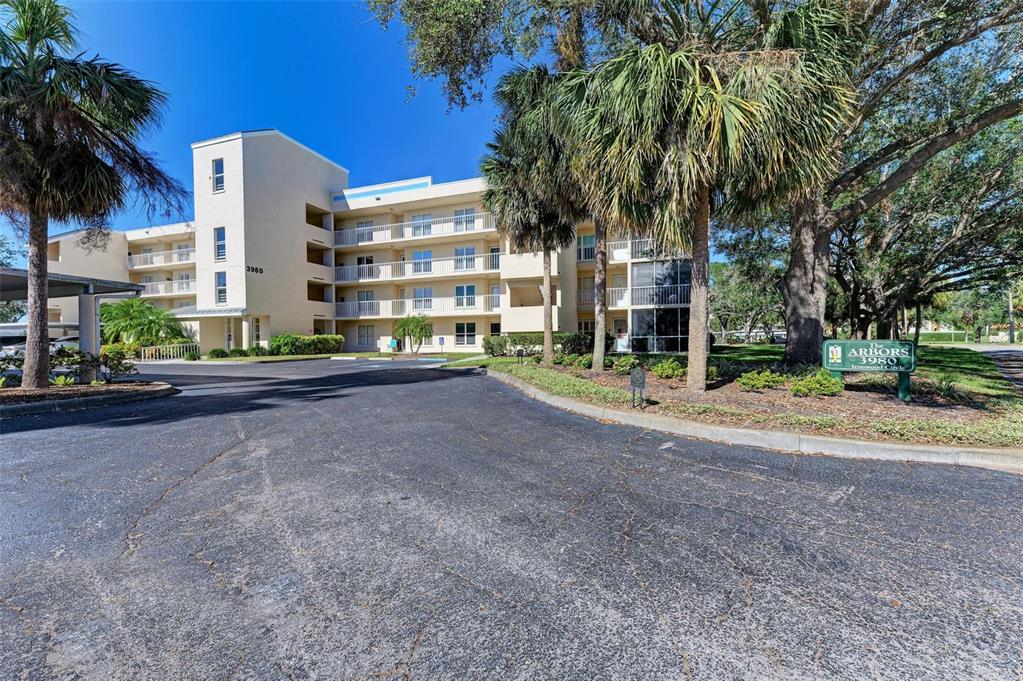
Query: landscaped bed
{"points": [[959, 398], [67, 392]]}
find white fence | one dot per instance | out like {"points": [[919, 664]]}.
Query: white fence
{"points": [[459, 264], [155, 353], [162, 258]]}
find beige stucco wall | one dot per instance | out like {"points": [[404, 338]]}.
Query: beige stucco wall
{"points": [[110, 263]]}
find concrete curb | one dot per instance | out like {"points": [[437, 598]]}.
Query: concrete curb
{"points": [[159, 389], [1008, 460]]}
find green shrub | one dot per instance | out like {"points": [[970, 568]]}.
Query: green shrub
{"points": [[584, 361], [179, 341], [495, 346], [293, 344], [131, 350], [668, 369], [217, 353], [559, 358], [755, 381], [576, 343], [257, 351], [191, 356], [819, 384], [114, 363], [536, 358], [77, 361], [62, 380], [626, 363], [570, 360], [238, 352]]}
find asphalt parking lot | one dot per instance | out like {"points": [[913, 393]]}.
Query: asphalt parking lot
{"points": [[340, 520]]}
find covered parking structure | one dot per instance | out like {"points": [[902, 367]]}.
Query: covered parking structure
{"points": [[14, 286]]}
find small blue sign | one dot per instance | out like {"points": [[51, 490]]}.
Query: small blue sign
{"points": [[442, 340]]}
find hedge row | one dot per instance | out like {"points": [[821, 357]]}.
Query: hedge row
{"points": [[293, 344]]}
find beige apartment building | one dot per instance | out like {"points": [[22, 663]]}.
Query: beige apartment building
{"points": [[281, 243]]}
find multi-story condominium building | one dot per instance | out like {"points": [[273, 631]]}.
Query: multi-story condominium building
{"points": [[281, 243]]}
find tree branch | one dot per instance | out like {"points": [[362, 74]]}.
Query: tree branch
{"points": [[921, 156]]}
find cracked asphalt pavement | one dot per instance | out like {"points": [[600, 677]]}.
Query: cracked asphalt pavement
{"points": [[336, 520]]}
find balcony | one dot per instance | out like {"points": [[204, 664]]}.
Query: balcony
{"points": [[431, 307], [638, 249], [182, 287], [181, 256], [526, 266], [416, 229], [423, 269], [622, 297]]}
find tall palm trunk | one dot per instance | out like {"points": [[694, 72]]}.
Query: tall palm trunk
{"points": [[599, 292], [36, 370], [699, 294], [804, 287], [548, 311]]}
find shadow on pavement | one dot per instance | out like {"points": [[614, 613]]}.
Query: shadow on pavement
{"points": [[264, 394]]}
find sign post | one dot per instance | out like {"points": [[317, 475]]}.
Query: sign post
{"points": [[877, 356], [520, 353], [637, 379]]}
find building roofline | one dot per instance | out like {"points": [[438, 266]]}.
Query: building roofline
{"points": [[263, 132]]}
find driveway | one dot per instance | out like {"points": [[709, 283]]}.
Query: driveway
{"points": [[348, 520]]}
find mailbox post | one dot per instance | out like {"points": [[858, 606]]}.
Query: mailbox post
{"points": [[880, 356]]}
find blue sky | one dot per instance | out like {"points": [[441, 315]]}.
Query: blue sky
{"points": [[324, 73]]}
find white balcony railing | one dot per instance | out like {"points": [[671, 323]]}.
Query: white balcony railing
{"points": [[459, 264], [180, 255], [416, 229], [168, 288], [637, 249], [450, 305], [676, 294], [619, 297]]}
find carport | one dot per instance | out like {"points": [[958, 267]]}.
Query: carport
{"points": [[14, 286]]}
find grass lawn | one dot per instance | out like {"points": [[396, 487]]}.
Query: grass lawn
{"points": [[973, 404]]}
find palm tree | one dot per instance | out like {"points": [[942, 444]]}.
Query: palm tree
{"points": [[416, 328], [530, 187], [137, 321], [69, 133], [712, 113]]}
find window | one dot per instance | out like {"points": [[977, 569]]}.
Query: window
{"points": [[660, 330], [465, 333], [587, 325], [221, 284], [465, 219], [367, 304], [422, 261], [364, 231], [219, 244], [465, 295], [364, 267], [183, 303], [255, 329], [422, 298], [218, 175], [422, 225], [584, 247], [367, 336], [465, 258], [183, 252], [495, 328]]}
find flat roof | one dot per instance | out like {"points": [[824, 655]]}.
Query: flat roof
{"points": [[14, 285]]}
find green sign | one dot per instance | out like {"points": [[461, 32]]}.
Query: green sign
{"points": [[863, 355], [876, 355]]}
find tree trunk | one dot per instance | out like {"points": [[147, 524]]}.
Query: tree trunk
{"points": [[904, 331], [699, 308], [36, 370], [599, 292], [919, 322], [548, 312], [804, 287]]}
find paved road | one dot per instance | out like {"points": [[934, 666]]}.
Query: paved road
{"points": [[320, 520], [1009, 359]]}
